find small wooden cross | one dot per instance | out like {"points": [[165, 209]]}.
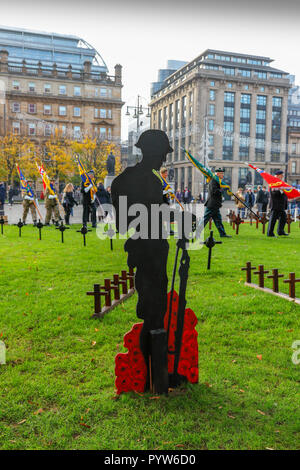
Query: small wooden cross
{"points": [[115, 285], [97, 297], [123, 282], [238, 222], [289, 220], [233, 218], [261, 274], [209, 224], [275, 276], [292, 284], [248, 270], [264, 220], [257, 219]]}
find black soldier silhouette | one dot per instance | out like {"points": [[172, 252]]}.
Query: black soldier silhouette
{"points": [[148, 256]]}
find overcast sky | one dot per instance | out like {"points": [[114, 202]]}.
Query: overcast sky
{"points": [[142, 36]]}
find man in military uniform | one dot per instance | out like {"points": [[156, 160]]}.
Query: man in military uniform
{"points": [[28, 203], [278, 206], [51, 205], [214, 204], [88, 201]]}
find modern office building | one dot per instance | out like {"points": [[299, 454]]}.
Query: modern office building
{"points": [[227, 109], [172, 66], [52, 81]]}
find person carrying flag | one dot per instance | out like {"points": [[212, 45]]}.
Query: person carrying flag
{"points": [[28, 203], [51, 204], [88, 199], [213, 204], [278, 206]]}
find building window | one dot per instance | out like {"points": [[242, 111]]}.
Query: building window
{"points": [[276, 102], [212, 83], [62, 110], [212, 95], [261, 100], [77, 91], [245, 73], [245, 128], [47, 108], [16, 108], [229, 97], [31, 87], [31, 129], [103, 91], [246, 87], [32, 108], [277, 90], [228, 71], [48, 130], [211, 124], [211, 139], [294, 148], [109, 133], [228, 112], [16, 85], [77, 132], [102, 133], [76, 111], [294, 168], [211, 110], [47, 88], [16, 128], [62, 89], [63, 129]]}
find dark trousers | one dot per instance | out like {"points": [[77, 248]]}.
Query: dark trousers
{"points": [[281, 217], [87, 210], [214, 214], [1, 208]]}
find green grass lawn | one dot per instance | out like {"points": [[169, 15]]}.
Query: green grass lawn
{"points": [[57, 388]]}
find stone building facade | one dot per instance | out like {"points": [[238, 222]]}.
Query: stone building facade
{"points": [[50, 81], [227, 109]]}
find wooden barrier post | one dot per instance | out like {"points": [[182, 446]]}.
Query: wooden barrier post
{"points": [[292, 284], [275, 276], [261, 272], [248, 270]]}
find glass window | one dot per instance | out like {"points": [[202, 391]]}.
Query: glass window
{"points": [[261, 100], [48, 129], [229, 97], [228, 111], [262, 88], [211, 110], [212, 95], [47, 108], [228, 126], [276, 101], [103, 113], [31, 108], [62, 110], [102, 132], [16, 127], [260, 128], [16, 85], [245, 113], [103, 91], [77, 91], [212, 83], [261, 114], [31, 87], [77, 132], [77, 111], [245, 128], [47, 88], [16, 108], [211, 124], [245, 98], [62, 89], [211, 139], [246, 87], [31, 129], [229, 85], [245, 72]]}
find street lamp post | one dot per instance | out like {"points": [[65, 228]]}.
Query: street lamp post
{"points": [[138, 110]]}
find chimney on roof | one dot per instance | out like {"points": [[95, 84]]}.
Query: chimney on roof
{"points": [[118, 74], [87, 69], [4, 60]]}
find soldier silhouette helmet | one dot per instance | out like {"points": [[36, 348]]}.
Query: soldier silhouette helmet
{"points": [[154, 142]]}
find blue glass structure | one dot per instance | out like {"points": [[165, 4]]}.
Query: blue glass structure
{"points": [[49, 49]]}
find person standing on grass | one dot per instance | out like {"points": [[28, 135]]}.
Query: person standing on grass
{"points": [[68, 201], [88, 201], [259, 199], [250, 198], [28, 203], [266, 197], [214, 204], [51, 205], [278, 206], [2, 197], [239, 204]]}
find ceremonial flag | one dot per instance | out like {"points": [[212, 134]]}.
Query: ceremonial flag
{"points": [[209, 175], [274, 182], [166, 186], [24, 183], [45, 179], [85, 177]]}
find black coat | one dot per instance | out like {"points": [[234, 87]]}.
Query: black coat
{"points": [[2, 194], [69, 200], [86, 197], [278, 200], [260, 197], [102, 195], [214, 198]]}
